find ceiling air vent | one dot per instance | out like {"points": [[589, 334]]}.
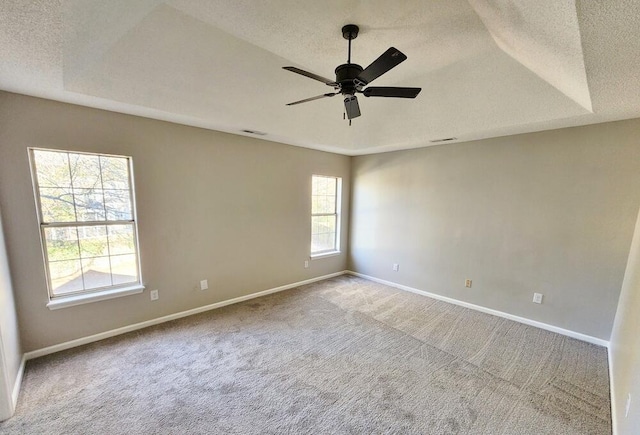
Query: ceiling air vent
{"points": [[258, 133], [446, 139]]}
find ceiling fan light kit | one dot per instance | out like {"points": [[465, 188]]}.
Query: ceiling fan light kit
{"points": [[351, 78]]}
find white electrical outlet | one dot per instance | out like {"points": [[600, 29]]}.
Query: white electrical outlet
{"points": [[204, 284], [537, 298], [154, 295], [467, 283], [628, 406], [396, 267], [306, 264]]}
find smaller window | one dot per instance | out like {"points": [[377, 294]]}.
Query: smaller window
{"points": [[325, 214]]}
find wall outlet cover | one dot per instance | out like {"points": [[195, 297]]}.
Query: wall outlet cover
{"points": [[396, 267], [537, 298], [467, 283], [204, 284], [153, 294]]}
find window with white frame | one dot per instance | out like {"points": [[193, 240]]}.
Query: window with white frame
{"points": [[325, 214], [86, 209]]}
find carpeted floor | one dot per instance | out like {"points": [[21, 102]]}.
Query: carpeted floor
{"points": [[340, 356]]}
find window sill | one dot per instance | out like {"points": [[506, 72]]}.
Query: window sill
{"points": [[325, 254], [70, 301]]}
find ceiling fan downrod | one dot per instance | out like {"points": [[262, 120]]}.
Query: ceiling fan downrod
{"points": [[350, 32]]}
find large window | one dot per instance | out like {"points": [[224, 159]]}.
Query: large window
{"points": [[87, 221], [325, 214]]}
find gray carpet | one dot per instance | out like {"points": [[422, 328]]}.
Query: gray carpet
{"points": [[340, 356]]}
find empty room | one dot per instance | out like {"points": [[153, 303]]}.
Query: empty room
{"points": [[306, 217]]}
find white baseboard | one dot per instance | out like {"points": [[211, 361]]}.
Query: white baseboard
{"points": [[18, 382], [568, 333], [141, 325]]}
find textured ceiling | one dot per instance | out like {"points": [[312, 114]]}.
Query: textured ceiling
{"points": [[486, 67]]}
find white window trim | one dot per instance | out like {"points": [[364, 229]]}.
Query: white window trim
{"points": [[325, 254], [338, 214], [93, 295], [86, 298]]}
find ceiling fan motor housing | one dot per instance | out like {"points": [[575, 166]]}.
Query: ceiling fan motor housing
{"points": [[345, 76]]}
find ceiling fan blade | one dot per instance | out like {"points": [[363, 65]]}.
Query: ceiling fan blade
{"points": [[351, 106], [391, 92], [310, 75], [389, 59], [311, 99]]}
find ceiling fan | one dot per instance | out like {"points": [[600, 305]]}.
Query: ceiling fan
{"points": [[352, 78]]}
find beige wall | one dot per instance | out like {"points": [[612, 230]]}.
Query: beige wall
{"points": [[10, 351], [230, 209], [625, 346], [550, 212]]}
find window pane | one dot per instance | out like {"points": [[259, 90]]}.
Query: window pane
{"points": [[118, 204], [331, 186], [323, 242], [323, 224], [66, 276], [62, 243], [93, 241], [324, 185], [89, 204], [125, 269], [121, 239], [323, 237], [57, 205], [330, 204], [323, 195], [115, 172], [321, 186], [97, 272], [327, 240], [324, 204], [85, 171], [52, 169], [315, 243]]}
